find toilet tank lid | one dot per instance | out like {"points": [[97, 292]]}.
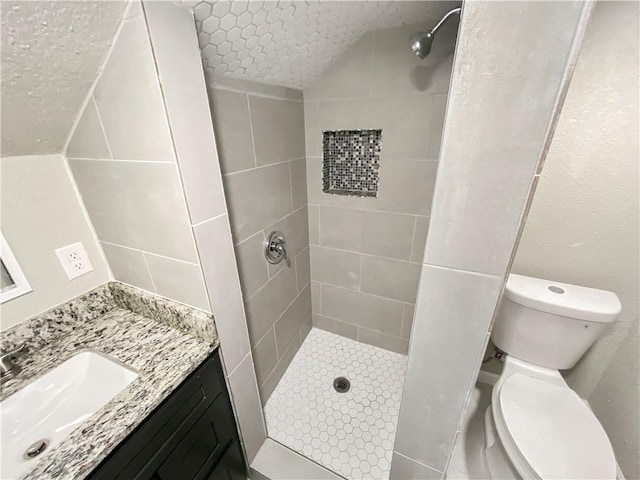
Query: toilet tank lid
{"points": [[563, 299]]}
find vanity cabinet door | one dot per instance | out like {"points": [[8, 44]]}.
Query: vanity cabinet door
{"points": [[202, 447], [184, 438]]}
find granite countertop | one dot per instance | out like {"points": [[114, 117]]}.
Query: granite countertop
{"points": [[162, 340]]}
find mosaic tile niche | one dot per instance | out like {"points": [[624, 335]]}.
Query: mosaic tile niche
{"points": [[350, 162]]}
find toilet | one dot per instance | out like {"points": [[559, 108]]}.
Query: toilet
{"points": [[536, 426]]}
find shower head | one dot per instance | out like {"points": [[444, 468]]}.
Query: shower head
{"points": [[421, 41]]}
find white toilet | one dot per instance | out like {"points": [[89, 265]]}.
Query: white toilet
{"points": [[536, 426]]}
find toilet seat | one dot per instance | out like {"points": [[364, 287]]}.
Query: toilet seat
{"points": [[551, 433]]}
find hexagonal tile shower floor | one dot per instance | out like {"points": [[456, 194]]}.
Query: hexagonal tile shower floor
{"points": [[351, 433]]}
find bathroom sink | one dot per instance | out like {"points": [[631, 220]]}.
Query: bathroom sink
{"points": [[38, 417]]}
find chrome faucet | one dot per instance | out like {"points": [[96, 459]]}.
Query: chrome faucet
{"points": [[8, 367]]}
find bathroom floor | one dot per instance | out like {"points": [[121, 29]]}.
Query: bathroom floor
{"points": [[350, 433]]}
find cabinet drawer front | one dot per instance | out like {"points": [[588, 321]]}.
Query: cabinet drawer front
{"points": [[202, 447]]}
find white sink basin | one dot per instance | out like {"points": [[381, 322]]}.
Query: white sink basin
{"points": [[50, 408]]}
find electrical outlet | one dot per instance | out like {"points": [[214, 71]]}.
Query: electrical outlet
{"points": [[74, 260]]}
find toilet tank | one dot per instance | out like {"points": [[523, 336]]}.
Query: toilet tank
{"points": [[551, 324]]}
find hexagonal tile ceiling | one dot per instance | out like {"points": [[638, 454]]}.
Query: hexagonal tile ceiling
{"points": [[289, 43]]}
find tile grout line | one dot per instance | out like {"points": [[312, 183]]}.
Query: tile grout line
{"points": [[149, 253], [253, 142]]}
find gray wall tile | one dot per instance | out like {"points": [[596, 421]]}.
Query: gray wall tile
{"points": [[341, 228], [265, 356], [178, 280], [390, 278], [387, 234], [395, 344], [453, 309], [88, 138], [403, 468], [268, 386], [246, 400], [257, 198], [314, 218], [368, 311], [128, 266], [436, 126], [312, 129], [138, 205], [252, 265], [177, 60], [346, 77], [295, 228], [305, 329], [419, 239], [232, 125], [288, 325], [298, 182], [221, 276], [266, 306], [388, 112], [303, 269], [278, 129], [510, 119], [406, 186], [397, 69], [316, 296], [335, 267], [407, 321], [335, 326], [134, 118]]}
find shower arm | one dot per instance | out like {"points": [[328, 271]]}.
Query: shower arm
{"points": [[444, 19]]}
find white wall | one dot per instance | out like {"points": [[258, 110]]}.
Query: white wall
{"points": [[583, 224], [41, 212]]}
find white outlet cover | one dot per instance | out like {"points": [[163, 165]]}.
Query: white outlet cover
{"points": [[74, 260]]}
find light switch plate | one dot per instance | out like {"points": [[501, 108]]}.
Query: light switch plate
{"points": [[74, 260]]}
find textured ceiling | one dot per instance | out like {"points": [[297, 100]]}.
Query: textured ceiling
{"points": [[50, 55], [291, 43]]}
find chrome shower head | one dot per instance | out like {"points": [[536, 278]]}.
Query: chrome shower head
{"points": [[421, 41]]}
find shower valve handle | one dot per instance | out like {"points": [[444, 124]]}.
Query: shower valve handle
{"points": [[276, 249]]}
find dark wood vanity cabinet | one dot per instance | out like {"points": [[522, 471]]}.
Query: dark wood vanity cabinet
{"points": [[191, 436]]}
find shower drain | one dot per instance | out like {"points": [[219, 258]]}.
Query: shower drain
{"points": [[342, 384]]}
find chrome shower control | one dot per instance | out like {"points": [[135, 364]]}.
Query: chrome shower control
{"points": [[276, 248]]}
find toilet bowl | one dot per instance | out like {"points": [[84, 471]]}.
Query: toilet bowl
{"points": [[536, 426]]}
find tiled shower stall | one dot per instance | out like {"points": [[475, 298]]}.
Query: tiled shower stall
{"points": [[355, 257]]}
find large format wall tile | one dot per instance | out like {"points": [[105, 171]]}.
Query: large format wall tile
{"points": [[257, 198], [246, 400], [137, 204], [252, 264], [220, 272], [390, 278], [368, 311], [289, 324], [177, 58], [453, 307], [88, 139], [232, 126], [178, 280], [278, 129], [336, 267], [265, 355], [266, 306], [128, 266], [129, 99]]}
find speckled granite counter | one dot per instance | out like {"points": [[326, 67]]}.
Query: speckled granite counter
{"points": [[164, 341]]}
